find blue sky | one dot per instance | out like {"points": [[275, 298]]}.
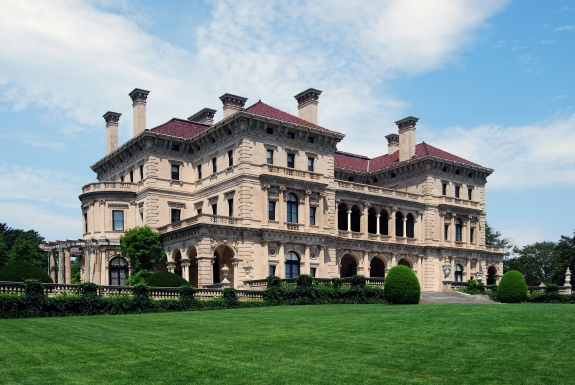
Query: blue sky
{"points": [[491, 81]]}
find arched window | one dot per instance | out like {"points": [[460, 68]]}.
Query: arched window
{"points": [[292, 203], [292, 265], [458, 273], [398, 224], [216, 269], [404, 262], [371, 221], [491, 272], [355, 219], [342, 217], [376, 268], [383, 222], [458, 232], [118, 271], [348, 266], [410, 226]]}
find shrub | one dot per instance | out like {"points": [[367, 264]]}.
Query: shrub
{"points": [[402, 286], [230, 296], [357, 281], [273, 281], [336, 282], [304, 281], [186, 292], [512, 288], [138, 278], [19, 271], [88, 289], [166, 279], [474, 287]]}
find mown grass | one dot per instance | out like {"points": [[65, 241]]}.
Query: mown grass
{"points": [[327, 344]]}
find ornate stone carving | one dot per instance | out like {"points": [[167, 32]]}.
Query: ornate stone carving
{"points": [[446, 268]]}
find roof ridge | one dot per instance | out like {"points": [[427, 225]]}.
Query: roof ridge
{"points": [[354, 155]]}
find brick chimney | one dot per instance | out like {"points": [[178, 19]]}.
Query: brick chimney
{"points": [[204, 116], [406, 138], [307, 102], [392, 143], [139, 97], [112, 119], [232, 104]]}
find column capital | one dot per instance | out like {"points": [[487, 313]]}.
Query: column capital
{"points": [[111, 118], [139, 95]]}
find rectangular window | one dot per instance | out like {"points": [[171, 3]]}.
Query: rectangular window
{"points": [[199, 211], [118, 220], [131, 176], [142, 172], [350, 179], [312, 271], [231, 207], [142, 216], [472, 235], [310, 139], [444, 189], [291, 160], [270, 158], [121, 178], [290, 135], [230, 158], [272, 211], [175, 172], [270, 130], [175, 147], [214, 165], [199, 171], [469, 193], [85, 222], [457, 191], [446, 232], [272, 270], [312, 211], [176, 215], [215, 209], [310, 164]]}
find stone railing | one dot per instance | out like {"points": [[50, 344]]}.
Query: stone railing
{"points": [[201, 218], [110, 186], [261, 284], [458, 201], [290, 172], [376, 190]]}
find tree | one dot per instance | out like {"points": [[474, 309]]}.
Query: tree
{"points": [[142, 247], [75, 270], [564, 258], [21, 245], [494, 238], [536, 262]]}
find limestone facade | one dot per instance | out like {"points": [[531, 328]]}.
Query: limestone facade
{"points": [[265, 192]]}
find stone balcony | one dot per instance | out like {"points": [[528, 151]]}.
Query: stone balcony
{"points": [[201, 218], [376, 190], [109, 186], [268, 168], [458, 202]]}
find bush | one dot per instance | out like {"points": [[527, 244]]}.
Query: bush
{"points": [[186, 292], [166, 279], [19, 271], [138, 278], [402, 286], [230, 296], [357, 281], [88, 289], [512, 288], [274, 281], [474, 287]]}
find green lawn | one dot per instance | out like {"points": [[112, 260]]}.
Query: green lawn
{"points": [[328, 344]]}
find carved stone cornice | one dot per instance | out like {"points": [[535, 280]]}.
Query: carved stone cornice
{"points": [[459, 210], [298, 183], [379, 199]]}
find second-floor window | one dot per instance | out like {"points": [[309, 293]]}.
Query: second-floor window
{"points": [[118, 220], [471, 235], [310, 164], [175, 172], [131, 176], [469, 193], [231, 207], [446, 232], [142, 172], [312, 211], [199, 171], [270, 157], [291, 160], [444, 189], [272, 211], [290, 135], [230, 158], [214, 165], [457, 188], [215, 209], [292, 203], [176, 215]]}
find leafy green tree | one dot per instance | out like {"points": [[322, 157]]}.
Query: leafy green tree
{"points": [[495, 238], [142, 247], [75, 270], [564, 258], [536, 262], [21, 245], [3, 252]]}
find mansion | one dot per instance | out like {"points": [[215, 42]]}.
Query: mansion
{"points": [[264, 192]]}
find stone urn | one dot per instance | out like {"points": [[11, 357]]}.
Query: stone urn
{"points": [[225, 271], [567, 278], [247, 269], [479, 276], [446, 268]]}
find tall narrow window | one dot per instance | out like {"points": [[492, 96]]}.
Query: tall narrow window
{"points": [[176, 213], [215, 209], [231, 207], [272, 270], [230, 158], [312, 211], [292, 265], [457, 188], [142, 216], [472, 235], [199, 211], [469, 192], [446, 232], [270, 157], [458, 232], [458, 273], [310, 164], [292, 203], [118, 220], [444, 189], [214, 165], [119, 271], [272, 211], [175, 172], [142, 172], [199, 171], [85, 222], [312, 271], [132, 176], [121, 178], [291, 160]]}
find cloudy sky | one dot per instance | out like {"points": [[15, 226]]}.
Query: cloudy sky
{"points": [[490, 80]]}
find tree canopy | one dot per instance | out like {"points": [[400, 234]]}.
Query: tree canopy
{"points": [[21, 245], [142, 247]]}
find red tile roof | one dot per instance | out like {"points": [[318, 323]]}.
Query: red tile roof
{"points": [[265, 110], [180, 128], [364, 164]]}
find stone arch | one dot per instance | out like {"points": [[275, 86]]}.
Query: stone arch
{"points": [[405, 262], [118, 270], [492, 275], [399, 224], [355, 218], [377, 267], [342, 217], [410, 225], [384, 221], [348, 265], [177, 258], [193, 273], [292, 264], [372, 220], [223, 255]]}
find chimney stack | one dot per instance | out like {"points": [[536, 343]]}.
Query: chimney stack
{"points": [[392, 143], [406, 138], [307, 102], [204, 116], [112, 119], [139, 97], [232, 104]]}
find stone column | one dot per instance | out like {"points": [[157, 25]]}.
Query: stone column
{"points": [[306, 261], [98, 267], [53, 265], [467, 272], [306, 210], [405, 227], [348, 220], [265, 261], [60, 263], [377, 224], [265, 204], [171, 267], [363, 220], [280, 268], [322, 268], [281, 207], [205, 275], [391, 226], [452, 230], [67, 271], [88, 262], [185, 269]]}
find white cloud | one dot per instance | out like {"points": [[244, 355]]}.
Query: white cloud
{"points": [[34, 140], [523, 156], [566, 28]]}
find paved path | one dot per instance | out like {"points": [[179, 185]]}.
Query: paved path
{"points": [[454, 297]]}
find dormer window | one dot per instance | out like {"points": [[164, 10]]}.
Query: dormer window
{"points": [[290, 135], [310, 139], [270, 130], [175, 147]]}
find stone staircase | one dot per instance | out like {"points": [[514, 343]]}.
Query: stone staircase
{"points": [[443, 297]]}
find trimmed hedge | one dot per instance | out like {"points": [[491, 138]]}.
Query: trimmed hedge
{"points": [[166, 279], [19, 271], [512, 288], [402, 286]]}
